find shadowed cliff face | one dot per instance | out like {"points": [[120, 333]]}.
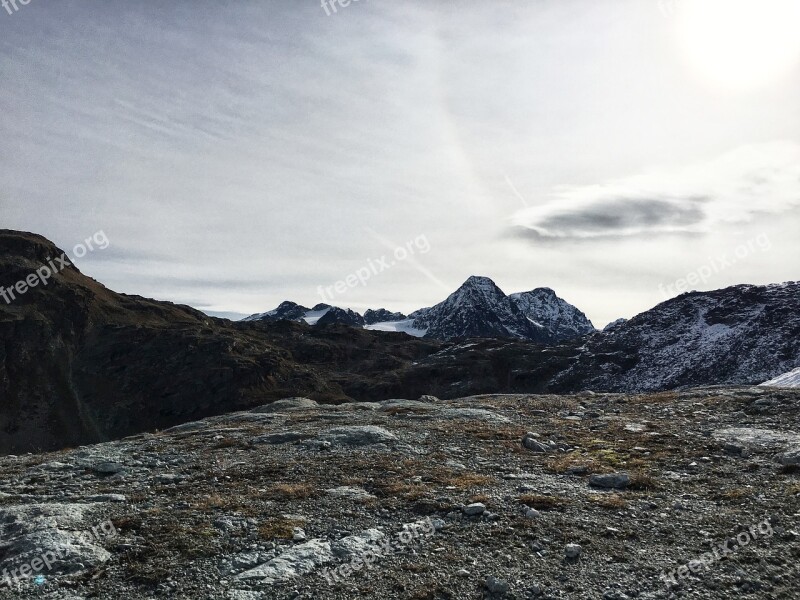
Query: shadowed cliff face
{"points": [[80, 363]]}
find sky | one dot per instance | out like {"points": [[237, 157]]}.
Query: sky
{"points": [[239, 153]]}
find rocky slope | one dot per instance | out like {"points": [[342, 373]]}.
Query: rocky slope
{"points": [[342, 316], [371, 317], [554, 317], [594, 496], [741, 334]]}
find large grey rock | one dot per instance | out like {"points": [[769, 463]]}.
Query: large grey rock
{"points": [[791, 457], [284, 437], [309, 556], [497, 586], [572, 551], [286, 404], [474, 414], [752, 438], [352, 546], [299, 560], [60, 535], [357, 435], [617, 481], [351, 493], [475, 509], [531, 442], [399, 404]]}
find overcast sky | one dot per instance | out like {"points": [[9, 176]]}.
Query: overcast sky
{"points": [[237, 154]]}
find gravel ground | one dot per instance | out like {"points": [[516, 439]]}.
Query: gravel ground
{"points": [[604, 496]]}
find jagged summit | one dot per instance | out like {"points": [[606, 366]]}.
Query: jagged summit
{"points": [[555, 317], [286, 311], [479, 308]]}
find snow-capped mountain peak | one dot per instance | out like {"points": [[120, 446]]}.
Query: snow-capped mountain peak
{"points": [[558, 318], [479, 308]]}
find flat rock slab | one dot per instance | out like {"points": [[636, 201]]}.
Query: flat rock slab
{"points": [[286, 404], [351, 546], [299, 560], [351, 493], [58, 534], [791, 457], [474, 414], [611, 481], [307, 557], [285, 437], [750, 437], [357, 435], [397, 404]]}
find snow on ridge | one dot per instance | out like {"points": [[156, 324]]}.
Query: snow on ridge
{"points": [[790, 379], [405, 326]]}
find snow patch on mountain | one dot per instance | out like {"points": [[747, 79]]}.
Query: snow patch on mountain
{"points": [[790, 379], [480, 309], [557, 317], [404, 326], [743, 334]]}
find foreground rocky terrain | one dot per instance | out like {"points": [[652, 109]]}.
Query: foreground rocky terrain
{"points": [[594, 496]]}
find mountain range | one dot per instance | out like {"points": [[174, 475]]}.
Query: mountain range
{"points": [[80, 363], [476, 309]]}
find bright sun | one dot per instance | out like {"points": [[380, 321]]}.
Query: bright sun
{"points": [[741, 44]]}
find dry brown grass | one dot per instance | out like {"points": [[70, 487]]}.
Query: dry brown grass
{"points": [[612, 501], [482, 498], [550, 403], [793, 489], [541, 502], [464, 481], [279, 528], [290, 491], [642, 480], [563, 463], [734, 494], [401, 489], [214, 502]]}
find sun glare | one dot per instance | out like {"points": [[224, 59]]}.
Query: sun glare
{"points": [[741, 44]]}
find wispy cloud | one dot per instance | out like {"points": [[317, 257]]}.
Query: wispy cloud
{"points": [[733, 188]]}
